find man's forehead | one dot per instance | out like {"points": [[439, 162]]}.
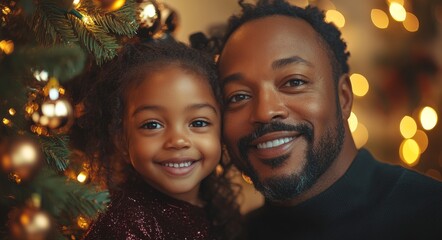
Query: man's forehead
{"points": [[262, 41]]}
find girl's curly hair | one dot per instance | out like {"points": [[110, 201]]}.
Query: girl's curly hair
{"points": [[102, 122]]}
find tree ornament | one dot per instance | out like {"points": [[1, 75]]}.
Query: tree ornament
{"points": [[55, 112], [20, 157], [30, 223], [149, 19], [109, 5]]}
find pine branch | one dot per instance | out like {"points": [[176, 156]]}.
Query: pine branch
{"points": [[62, 62], [114, 25], [45, 33], [56, 151], [95, 39], [71, 200], [121, 22]]}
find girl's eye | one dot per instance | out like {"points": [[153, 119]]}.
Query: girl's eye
{"points": [[294, 83], [199, 123], [151, 125], [238, 98]]}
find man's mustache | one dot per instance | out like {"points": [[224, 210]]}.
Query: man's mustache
{"points": [[302, 128]]}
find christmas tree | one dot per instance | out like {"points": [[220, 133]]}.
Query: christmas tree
{"points": [[45, 192]]}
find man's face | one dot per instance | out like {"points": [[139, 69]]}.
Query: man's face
{"points": [[283, 125]]}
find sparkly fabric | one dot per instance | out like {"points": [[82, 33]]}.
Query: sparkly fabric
{"points": [[142, 212]]}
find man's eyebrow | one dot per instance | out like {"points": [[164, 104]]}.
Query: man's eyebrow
{"points": [[277, 64], [231, 78], [201, 105]]}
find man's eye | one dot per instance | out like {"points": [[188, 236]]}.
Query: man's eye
{"points": [[294, 83], [237, 98], [151, 125], [199, 123]]}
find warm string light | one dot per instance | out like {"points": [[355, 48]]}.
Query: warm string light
{"points": [[7, 46], [379, 18], [83, 222], [147, 14], [428, 118], [336, 17], [6, 121], [416, 141], [6, 10], [398, 12], [76, 3], [82, 176], [359, 84], [41, 75], [408, 127], [411, 22], [353, 122]]}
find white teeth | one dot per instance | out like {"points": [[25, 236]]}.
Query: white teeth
{"points": [[274, 143], [177, 165]]}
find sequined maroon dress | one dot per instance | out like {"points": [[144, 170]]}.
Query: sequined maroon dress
{"points": [[142, 212]]}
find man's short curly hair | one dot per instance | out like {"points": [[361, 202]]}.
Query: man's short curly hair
{"points": [[329, 34]]}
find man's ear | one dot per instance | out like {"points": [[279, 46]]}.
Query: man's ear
{"points": [[345, 94]]}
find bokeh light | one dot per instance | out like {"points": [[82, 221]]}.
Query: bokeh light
{"points": [[7, 46], [409, 152], [422, 140], [336, 17], [82, 176], [379, 18], [428, 118], [360, 135], [359, 84], [300, 3], [408, 127], [397, 11], [411, 22], [401, 2], [353, 122]]}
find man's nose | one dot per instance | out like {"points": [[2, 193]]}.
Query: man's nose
{"points": [[268, 106], [177, 138]]}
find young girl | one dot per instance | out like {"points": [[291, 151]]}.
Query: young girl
{"points": [[157, 108]]}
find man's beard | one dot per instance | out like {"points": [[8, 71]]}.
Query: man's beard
{"points": [[319, 157]]}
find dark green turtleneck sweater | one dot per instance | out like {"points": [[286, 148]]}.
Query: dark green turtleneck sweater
{"points": [[373, 200]]}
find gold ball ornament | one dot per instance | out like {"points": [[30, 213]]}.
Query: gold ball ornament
{"points": [[29, 223], [109, 5], [21, 158], [57, 115]]}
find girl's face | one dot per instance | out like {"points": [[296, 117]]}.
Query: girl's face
{"points": [[173, 127]]}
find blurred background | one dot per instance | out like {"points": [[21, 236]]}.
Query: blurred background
{"points": [[395, 66], [50, 51]]}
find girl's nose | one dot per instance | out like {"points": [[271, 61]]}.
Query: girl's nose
{"points": [[177, 139]]}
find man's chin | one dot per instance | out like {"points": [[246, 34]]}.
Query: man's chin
{"points": [[281, 187]]}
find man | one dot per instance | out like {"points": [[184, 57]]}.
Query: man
{"points": [[285, 79]]}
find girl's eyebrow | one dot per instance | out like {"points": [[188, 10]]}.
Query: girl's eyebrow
{"points": [[201, 105], [195, 106], [146, 108]]}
